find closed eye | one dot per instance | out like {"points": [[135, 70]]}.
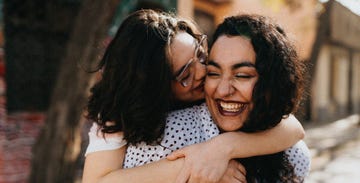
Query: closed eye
{"points": [[212, 74], [185, 77], [244, 76]]}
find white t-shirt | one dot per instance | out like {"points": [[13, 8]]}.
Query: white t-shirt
{"points": [[97, 142], [185, 127]]}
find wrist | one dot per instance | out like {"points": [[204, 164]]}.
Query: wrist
{"points": [[225, 144]]}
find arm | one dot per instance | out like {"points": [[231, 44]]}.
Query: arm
{"points": [[240, 144], [169, 170], [208, 160], [166, 171], [161, 171], [100, 163], [103, 155], [104, 160]]}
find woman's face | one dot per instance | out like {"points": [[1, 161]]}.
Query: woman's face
{"points": [[231, 77], [188, 72]]}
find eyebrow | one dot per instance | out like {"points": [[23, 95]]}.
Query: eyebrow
{"points": [[233, 67]]}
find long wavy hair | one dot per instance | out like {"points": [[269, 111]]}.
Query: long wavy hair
{"points": [[275, 95], [134, 91]]}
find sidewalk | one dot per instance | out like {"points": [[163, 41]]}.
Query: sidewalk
{"points": [[324, 140]]}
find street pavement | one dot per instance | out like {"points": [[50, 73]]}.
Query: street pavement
{"points": [[335, 149], [342, 168]]}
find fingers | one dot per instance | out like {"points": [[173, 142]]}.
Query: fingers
{"points": [[195, 175], [241, 168], [240, 177], [176, 154], [183, 176], [237, 173]]}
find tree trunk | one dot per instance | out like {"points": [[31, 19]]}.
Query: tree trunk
{"points": [[57, 148], [36, 35]]}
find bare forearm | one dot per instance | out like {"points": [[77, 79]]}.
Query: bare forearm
{"points": [[160, 171], [98, 164], [279, 138]]}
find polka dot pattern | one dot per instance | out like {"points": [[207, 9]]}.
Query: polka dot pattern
{"points": [[299, 157], [194, 125], [183, 127]]}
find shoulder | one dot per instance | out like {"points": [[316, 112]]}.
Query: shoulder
{"points": [[102, 142], [189, 126], [300, 158], [182, 127], [196, 110]]}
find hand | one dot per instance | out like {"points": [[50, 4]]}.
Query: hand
{"points": [[204, 163], [235, 173]]}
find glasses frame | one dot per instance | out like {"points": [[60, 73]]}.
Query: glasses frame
{"points": [[202, 43]]}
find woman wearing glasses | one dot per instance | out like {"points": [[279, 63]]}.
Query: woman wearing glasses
{"points": [[156, 64]]}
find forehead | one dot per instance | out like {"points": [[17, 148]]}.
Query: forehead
{"points": [[182, 49], [230, 49]]}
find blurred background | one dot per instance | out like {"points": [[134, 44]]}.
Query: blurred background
{"points": [[46, 46]]}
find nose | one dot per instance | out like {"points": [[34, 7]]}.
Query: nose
{"points": [[225, 88], [200, 71]]}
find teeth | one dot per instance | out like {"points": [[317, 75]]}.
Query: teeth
{"points": [[231, 107]]}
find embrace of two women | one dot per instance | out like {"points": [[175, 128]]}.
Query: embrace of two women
{"points": [[167, 109]]}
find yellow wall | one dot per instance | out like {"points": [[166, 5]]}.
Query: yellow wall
{"points": [[300, 23]]}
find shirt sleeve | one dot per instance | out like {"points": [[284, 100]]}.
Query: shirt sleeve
{"points": [[97, 142], [300, 158]]}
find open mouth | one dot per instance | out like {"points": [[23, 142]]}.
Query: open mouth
{"points": [[231, 108]]}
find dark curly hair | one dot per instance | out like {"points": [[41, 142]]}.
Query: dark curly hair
{"points": [[134, 92], [275, 95]]}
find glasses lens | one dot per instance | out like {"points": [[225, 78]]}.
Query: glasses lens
{"points": [[201, 51], [202, 57], [204, 43], [185, 71], [186, 76]]}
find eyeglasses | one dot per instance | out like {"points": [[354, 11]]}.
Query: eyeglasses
{"points": [[186, 75]]}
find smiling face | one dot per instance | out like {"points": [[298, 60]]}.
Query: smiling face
{"points": [[231, 77], [187, 68]]}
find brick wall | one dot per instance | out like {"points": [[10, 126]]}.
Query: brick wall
{"points": [[18, 133]]}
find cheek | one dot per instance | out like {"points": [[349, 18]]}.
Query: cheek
{"points": [[177, 90], [173, 87], [246, 88], [249, 90], [181, 90], [209, 87]]}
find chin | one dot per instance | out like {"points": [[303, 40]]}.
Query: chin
{"points": [[229, 128]]}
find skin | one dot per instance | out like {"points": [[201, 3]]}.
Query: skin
{"points": [[101, 163], [164, 171], [206, 162], [231, 77], [220, 149], [182, 50]]}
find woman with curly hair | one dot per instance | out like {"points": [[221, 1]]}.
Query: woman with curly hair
{"points": [[155, 65], [254, 80]]}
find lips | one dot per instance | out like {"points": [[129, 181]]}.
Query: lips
{"points": [[231, 108]]}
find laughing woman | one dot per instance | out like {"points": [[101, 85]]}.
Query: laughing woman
{"points": [[254, 80], [155, 64]]}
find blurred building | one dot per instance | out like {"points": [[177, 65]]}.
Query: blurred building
{"points": [[326, 35], [336, 57]]}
